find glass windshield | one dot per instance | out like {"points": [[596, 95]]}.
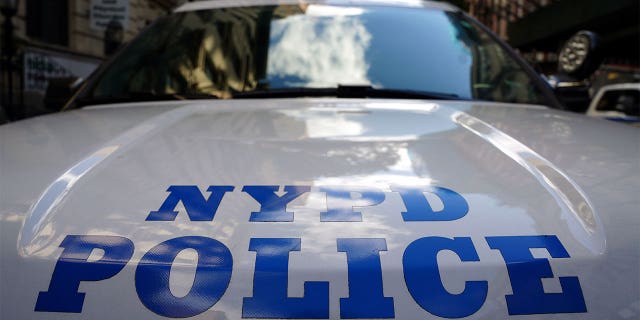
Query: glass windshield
{"points": [[221, 52], [625, 101]]}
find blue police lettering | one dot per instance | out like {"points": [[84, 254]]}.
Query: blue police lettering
{"points": [[525, 273], [423, 280], [73, 267], [212, 277], [270, 285], [269, 299], [366, 299]]}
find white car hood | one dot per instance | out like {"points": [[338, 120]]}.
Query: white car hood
{"points": [[523, 171]]}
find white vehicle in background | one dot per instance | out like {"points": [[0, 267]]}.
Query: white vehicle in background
{"points": [[617, 102], [319, 160]]}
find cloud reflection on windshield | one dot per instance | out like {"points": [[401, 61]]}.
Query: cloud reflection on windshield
{"points": [[318, 52]]}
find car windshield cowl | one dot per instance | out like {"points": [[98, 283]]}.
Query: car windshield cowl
{"points": [[143, 96], [341, 91], [344, 91]]}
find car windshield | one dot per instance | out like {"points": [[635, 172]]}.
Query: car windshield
{"points": [[222, 52]]}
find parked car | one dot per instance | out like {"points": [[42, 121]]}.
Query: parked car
{"points": [[617, 102], [318, 160]]}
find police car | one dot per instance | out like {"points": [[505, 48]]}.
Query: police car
{"points": [[617, 102], [318, 160]]}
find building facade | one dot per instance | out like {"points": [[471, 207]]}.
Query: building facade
{"points": [[66, 38], [538, 28]]}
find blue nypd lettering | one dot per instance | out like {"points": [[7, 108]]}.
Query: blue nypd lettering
{"points": [[198, 208], [342, 205], [419, 209], [273, 208], [366, 297]]}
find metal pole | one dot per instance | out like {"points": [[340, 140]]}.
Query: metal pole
{"points": [[9, 28], [8, 53], [21, 73]]}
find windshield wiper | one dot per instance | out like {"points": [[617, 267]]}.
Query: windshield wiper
{"points": [[143, 96], [344, 91]]}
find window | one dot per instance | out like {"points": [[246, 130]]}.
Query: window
{"points": [[47, 21], [625, 101]]}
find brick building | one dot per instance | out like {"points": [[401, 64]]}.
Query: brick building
{"points": [[538, 28]]}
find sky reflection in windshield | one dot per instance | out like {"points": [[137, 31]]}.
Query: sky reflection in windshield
{"points": [[319, 51]]}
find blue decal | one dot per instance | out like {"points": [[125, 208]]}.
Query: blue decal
{"points": [[419, 209], [194, 203], [525, 273], [623, 119], [423, 280], [366, 297], [73, 267], [273, 208], [340, 204], [270, 285], [212, 277]]}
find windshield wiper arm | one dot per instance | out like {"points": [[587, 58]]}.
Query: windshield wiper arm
{"points": [[344, 91]]}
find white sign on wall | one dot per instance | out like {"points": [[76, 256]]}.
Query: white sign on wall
{"points": [[41, 65], [104, 11]]}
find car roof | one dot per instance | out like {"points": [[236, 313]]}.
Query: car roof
{"points": [[621, 86], [213, 4]]}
